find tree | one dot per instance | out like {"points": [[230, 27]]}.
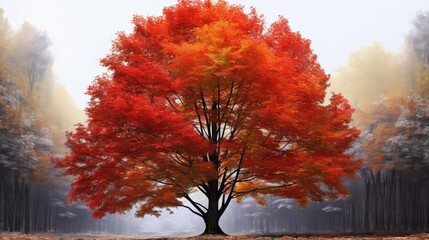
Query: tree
{"points": [[418, 53], [202, 99], [363, 84], [418, 36], [410, 144], [31, 55], [4, 43]]}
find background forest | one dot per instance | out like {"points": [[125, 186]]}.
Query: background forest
{"points": [[35, 112], [389, 91]]}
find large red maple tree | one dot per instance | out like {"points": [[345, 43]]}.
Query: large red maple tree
{"points": [[205, 99]]}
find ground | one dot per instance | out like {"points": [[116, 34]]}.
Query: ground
{"points": [[20, 236]]}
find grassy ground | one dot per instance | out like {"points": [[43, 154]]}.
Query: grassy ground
{"points": [[20, 236]]}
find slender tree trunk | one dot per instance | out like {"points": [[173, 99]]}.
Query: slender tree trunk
{"points": [[415, 207], [36, 219], [1, 198], [267, 222], [381, 194], [9, 206], [6, 195], [391, 217], [27, 210], [427, 211], [367, 197], [352, 216], [376, 198]]}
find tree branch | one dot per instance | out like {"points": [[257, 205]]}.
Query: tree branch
{"points": [[190, 209], [228, 200], [194, 204], [158, 181], [203, 190], [237, 194], [232, 106], [206, 114], [203, 130], [171, 104]]}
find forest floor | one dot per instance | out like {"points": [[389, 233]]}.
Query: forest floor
{"points": [[20, 236]]}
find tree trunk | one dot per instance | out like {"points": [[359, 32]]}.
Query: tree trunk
{"points": [[27, 210], [391, 216], [212, 217], [212, 224], [367, 196]]}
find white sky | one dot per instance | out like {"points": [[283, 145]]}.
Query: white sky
{"points": [[82, 30]]}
